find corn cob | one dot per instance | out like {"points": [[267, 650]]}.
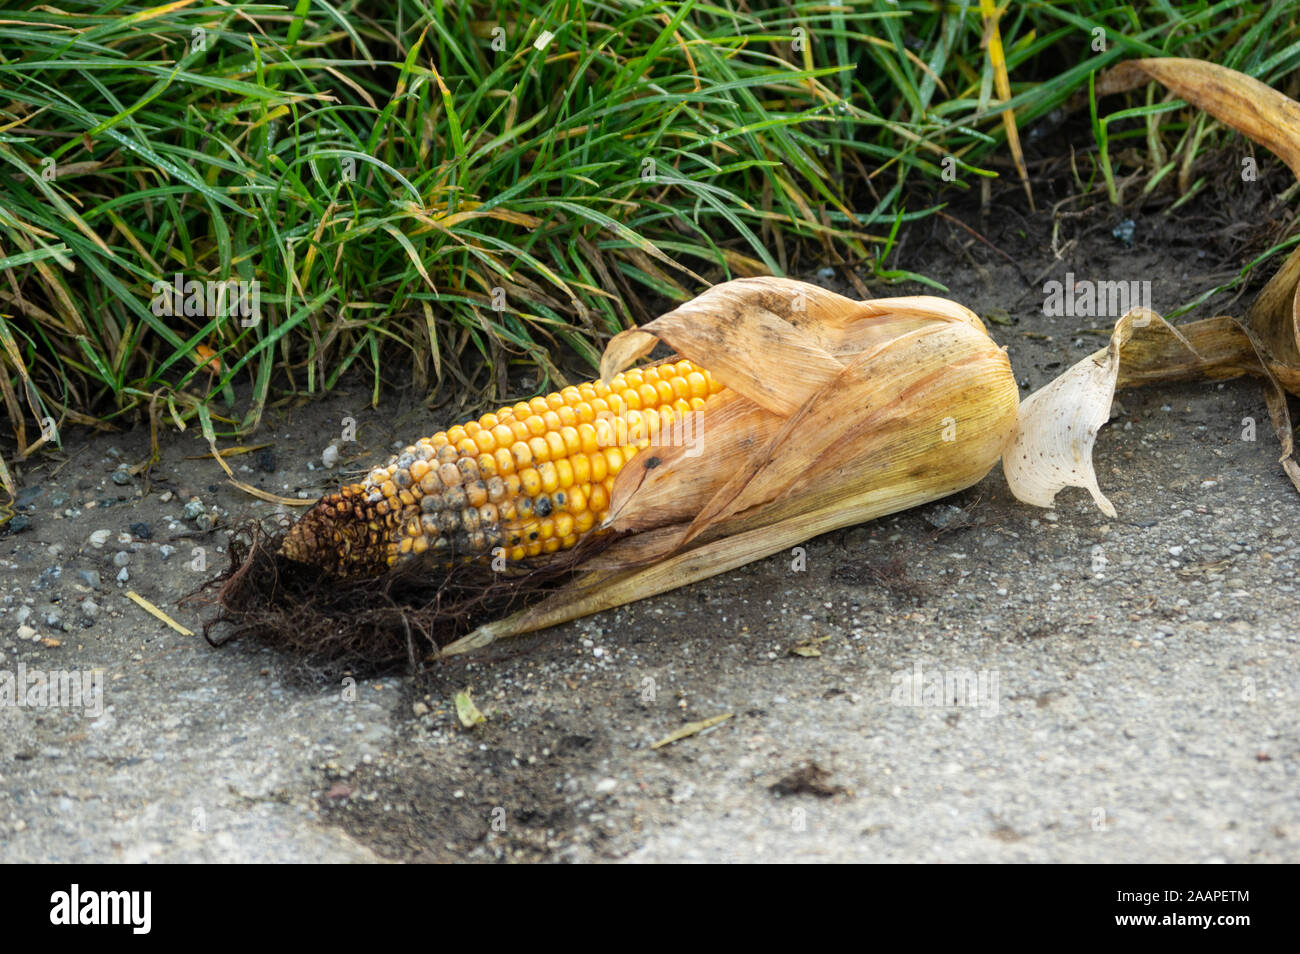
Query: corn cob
{"points": [[524, 481]]}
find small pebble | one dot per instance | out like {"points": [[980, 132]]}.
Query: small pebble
{"points": [[99, 538], [205, 522], [19, 523], [141, 531], [123, 575], [329, 457], [26, 633], [166, 551], [194, 508], [121, 558], [122, 476], [27, 497], [49, 575], [1124, 232], [91, 578]]}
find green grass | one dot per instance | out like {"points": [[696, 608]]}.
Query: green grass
{"points": [[429, 202]]}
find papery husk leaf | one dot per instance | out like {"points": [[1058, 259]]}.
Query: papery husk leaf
{"points": [[891, 406], [1052, 447], [670, 483], [775, 340]]}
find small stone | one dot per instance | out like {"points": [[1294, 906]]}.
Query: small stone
{"points": [[122, 476], [49, 576], [205, 522], [166, 496], [22, 614], [606, 785], [19, 523], [89, 608], [266, 460], [194, 508], [166, 551], [329, 457], [945, 515], [121, 558], [27, 634], [49, 642], [99, 538], [123, 575], [27, 497], [91, 578], [420, 709], [141, 531]]}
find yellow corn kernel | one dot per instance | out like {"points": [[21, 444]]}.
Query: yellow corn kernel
{"points": [[581, 465], [550, 477], [505, 461]]}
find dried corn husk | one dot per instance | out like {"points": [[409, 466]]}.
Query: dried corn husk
{"points": [[838, 412]]}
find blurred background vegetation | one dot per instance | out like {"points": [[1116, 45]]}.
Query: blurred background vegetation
{"points": [[441, 194]]}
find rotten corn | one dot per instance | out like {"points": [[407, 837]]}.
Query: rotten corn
{"points": [[527, 480]]}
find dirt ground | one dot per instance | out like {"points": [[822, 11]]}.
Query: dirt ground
{"points": [[1136, 681]]}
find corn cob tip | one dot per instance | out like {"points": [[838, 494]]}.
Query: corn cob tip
{"points": [[341, 534]]}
